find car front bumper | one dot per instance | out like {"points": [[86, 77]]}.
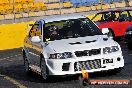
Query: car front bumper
{"points": [[69, 67]]}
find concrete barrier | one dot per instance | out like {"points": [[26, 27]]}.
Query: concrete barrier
{"points": [[12, 35]]}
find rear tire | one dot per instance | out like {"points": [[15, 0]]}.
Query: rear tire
{"points": [[26, 63], [43, 69]]}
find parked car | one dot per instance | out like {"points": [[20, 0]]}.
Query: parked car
{"points": [[128, 37], [63, 45], [116, 20]]}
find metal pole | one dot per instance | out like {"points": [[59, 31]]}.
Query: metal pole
{"points": [[14, 11], [101, 4]]}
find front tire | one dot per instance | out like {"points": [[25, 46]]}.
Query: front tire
{"points": [[26, 63], [43, 69]]}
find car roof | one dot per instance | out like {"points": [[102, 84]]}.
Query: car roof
{"points": [[61, 17], [116, 10]]}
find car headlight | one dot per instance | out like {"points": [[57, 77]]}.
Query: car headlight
{"points": [[61, 55], [128, 32], [110, 49]]}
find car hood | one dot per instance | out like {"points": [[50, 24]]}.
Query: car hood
{"points": [[79, 44]]}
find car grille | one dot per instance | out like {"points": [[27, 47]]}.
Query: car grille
{"points": [[87, 65], [88, 52]]}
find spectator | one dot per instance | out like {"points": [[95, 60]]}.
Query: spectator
{"points": [[127, 3]]}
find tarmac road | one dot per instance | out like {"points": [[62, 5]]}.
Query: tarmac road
{"points": [[12, 74]]}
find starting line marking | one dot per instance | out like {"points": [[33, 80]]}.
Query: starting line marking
{"points": [[9, 57]]}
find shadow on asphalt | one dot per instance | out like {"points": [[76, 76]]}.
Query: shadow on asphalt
{"points": [[16, 71], [10, 52]]}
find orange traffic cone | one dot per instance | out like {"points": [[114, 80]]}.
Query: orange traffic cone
{"points": [[84, 74], [85, 80]]}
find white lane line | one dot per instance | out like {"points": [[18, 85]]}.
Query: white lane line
{"points": [[3, 59], [130, 54], [13, 81], [9, 57]]}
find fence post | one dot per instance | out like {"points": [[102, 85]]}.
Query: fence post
{"points": [[60, 7], [14, 11], [127, 3], [100, 3]]}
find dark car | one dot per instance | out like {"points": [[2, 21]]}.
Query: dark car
{"points": [[128, 37], [116, 20]]}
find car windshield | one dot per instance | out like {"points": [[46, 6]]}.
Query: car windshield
{"points": [[130, 12], [112, 16], [72, 28], [106, 16]]}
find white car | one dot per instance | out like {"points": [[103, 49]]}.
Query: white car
{"points": [[63, 45]]}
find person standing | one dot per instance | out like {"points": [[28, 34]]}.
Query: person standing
{"points": [[127, 3]]}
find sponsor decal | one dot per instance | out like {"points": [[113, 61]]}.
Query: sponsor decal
{"points": [[110, 82], [86, 81]]}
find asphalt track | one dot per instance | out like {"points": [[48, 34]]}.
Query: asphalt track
{"points": [[12, 73]]}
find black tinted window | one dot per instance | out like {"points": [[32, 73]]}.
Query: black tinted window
{"points": [[72, 28]]}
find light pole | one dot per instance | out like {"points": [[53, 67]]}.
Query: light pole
{"points": [[101, 4]]}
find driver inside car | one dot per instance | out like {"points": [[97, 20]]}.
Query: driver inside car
{"points": [[53, 32]]}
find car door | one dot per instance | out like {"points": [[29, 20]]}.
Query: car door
{"points": [[36, 47], [124, 22]]}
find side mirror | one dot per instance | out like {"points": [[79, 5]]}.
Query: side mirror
{"points": [[35, 39], [105, 31]]}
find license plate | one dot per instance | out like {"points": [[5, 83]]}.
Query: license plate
{"points": [[105, 61]]}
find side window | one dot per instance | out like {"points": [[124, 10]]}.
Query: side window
{"points": [[130, 14], [98, 17], [125, 13], [123, 16], [117, 14], [35, 30], [52, 30], [109, 16]]}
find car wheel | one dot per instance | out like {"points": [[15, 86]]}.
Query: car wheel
{"points": [[129, 45], [26, 63], [43, 69]]}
